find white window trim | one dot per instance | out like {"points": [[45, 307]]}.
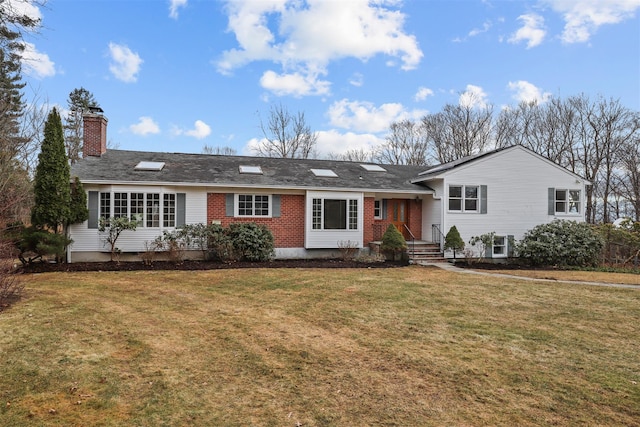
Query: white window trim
{"points": [[463, 198], [348, 201], [379, 216], [567, 203], [505, 246], [143, 221], [236, 205]]}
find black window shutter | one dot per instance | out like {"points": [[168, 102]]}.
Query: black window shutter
{"points": [[93, 209], [229, 205], [384, 209], [180, 209], [552, 201]]}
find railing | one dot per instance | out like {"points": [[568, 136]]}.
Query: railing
{"points": [[436, 234], [413, 240]]}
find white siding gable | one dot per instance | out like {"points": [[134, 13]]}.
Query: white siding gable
{"points": [[517, 193]]}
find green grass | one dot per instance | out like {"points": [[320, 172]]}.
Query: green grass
{"points": [[357, 347]]}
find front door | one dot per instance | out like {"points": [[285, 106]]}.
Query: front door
{"points": [[399, 213]]}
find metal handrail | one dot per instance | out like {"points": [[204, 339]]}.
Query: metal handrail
{"points": [[437, 235], [413, 240]]}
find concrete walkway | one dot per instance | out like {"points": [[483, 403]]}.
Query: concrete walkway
{"points": [[450, 267]]}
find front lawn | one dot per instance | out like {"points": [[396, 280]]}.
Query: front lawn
{"points": [[407, 346]]}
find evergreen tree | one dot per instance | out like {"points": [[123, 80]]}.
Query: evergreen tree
{"points": [[453, 241], [79, 102], [52, 189], [78, 207], [15, 186]]}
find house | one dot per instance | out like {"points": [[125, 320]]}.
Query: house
{"points": [[314, 206]]}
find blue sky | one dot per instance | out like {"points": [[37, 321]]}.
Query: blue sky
{"points": [[177, 75]]}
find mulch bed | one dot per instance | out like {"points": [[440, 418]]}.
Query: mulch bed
{"points": [[44, 267]]}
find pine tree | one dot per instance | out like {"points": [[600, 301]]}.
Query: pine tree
{"points": [[52, 189], [453, 241], [15, 186], [78, 207], [79, 102]]}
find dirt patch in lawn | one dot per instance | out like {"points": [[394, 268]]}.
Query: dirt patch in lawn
{"points": [[44, 267]]}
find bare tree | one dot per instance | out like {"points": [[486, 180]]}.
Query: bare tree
{"points": [[354, 155], [458, 131], [223, 151], [286, 135], [405, 144]]}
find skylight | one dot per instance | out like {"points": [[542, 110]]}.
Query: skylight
{"points": [[256, 170], [373, 168], [328, 173], [149, 166]]}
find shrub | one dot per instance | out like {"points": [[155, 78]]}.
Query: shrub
{"points": [[562, 243], [10, 286], [393, 241], [114, 227], [621, 243], [348, 249], [252, 242], [453, 241], [220, 244], [35, 243]]}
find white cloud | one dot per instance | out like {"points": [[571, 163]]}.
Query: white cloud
{"points": [[366, 117], [477, 31], [304, 37], [532, 31], [583, 17], [474, 97], [125, 64], [200, 130], [527, 92], [356, 80], [145, 126], [295, 84], [423, 93], [37, 64], [334, 142], [174, 5]]}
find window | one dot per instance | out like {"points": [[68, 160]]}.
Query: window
{"points": [[377, 209], [335, 214], [153, 210], [105, 205], [455, 198], [467, 198], [470, 198], [499, 246], [567, 201], [147, 209], [253, 205], [120, 205], [137, 208], [169, 210]]}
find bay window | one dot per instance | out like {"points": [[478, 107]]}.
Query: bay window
{"points": [[334, 214]]}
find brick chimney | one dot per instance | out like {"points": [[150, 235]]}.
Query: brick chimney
{"points": [[95, 133]]}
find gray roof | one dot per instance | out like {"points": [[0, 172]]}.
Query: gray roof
{"points": [[118, 166], [437, 169]]}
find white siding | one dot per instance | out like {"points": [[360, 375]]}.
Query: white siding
{"points": [[432, 211], [91, 240], [330, 239], [517, 194]]}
